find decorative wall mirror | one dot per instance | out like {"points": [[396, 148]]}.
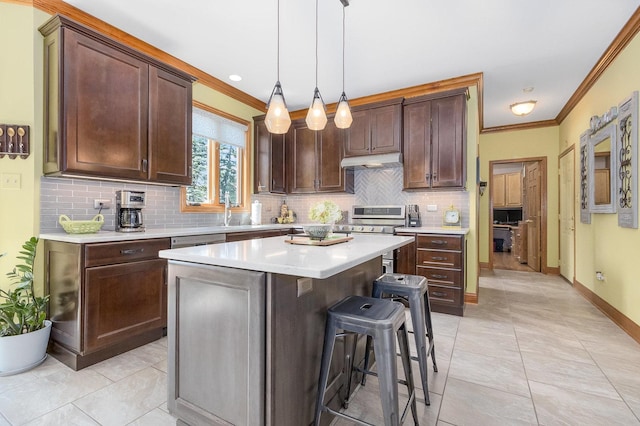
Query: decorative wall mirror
{"points": [[585, 215], [627, 172], [602, 158]]}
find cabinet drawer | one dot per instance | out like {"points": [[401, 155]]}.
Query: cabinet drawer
{"points": [[440, 242], [445, 295], [449, 277], [442, 258], [125, 251]]}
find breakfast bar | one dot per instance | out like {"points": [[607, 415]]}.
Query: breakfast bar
{"points": [[246, 323]]}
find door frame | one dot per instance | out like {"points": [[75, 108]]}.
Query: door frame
{"points": [[568, 151], [542, 161]]}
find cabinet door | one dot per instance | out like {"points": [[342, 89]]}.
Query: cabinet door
{"points": [[448, 142], [122, 301], [262, 159], [499, 189], [169, 127], [416, 144], [513, 191], [359, 134], [278, 164], [331, 176], [386, 129], [406, 258], [301, 172], [105, 108]]}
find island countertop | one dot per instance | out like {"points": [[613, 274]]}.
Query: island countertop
{"points": [[275, 256]]}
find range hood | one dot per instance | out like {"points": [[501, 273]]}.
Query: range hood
{"points": [[393, 159]]}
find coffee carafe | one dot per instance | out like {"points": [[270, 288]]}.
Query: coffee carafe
{"points": [[129, 206], [413, 216]]}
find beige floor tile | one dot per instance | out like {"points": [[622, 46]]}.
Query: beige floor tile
{"points": [[497, 373], [68, 415], [128, 399], [556, 405], [4, 422], [553, 346], [38, 397], [487, 343], [121, 366], [156, 417], [467, 403]]}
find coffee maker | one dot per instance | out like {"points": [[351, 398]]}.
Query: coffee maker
{"points": [[413, 216], [129, 205]]}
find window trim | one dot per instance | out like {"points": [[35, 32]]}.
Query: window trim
{"points": [[244, 206]]}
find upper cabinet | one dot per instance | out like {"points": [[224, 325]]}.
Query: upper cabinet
{"points": [[434, 141], [269, 162], [313, 160], [111, 111], [376, 129], [507, 190]]}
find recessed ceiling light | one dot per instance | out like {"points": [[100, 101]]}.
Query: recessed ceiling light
{"points": [[235, 77]]}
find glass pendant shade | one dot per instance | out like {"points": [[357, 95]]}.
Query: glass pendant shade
{"points": [[317, 114], [277, 119], [343, 118], [523, 108]]}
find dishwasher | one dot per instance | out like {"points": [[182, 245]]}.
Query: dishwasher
{"points": [[197, 240]]}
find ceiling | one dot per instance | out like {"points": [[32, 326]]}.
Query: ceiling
{"points": [[549, 45]]}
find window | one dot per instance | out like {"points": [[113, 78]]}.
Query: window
{"points": [[221, 162]]}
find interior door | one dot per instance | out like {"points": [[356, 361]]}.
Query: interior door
{"points": [[567, 226], [532, 213]]}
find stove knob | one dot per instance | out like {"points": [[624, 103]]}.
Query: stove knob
{"points": [[372, 229], [360, 228]]}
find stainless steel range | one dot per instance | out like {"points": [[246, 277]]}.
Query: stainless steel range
{"points": [[376, 220]]}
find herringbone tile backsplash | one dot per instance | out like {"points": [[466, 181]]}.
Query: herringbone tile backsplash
{"points": [[74, 198]]}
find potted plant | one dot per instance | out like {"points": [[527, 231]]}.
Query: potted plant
{"points": [[325, 214], [24, 329]]}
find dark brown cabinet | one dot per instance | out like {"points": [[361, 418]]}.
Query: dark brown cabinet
{"points": [[313, 160], [376, 129], [106, 298], [439, 258], [269, 161], [253, 235], [111, 111], [434, 141]]}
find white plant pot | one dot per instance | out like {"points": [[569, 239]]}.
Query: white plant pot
{"points": [[25, 351]]}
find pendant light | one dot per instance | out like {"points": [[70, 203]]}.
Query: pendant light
{"points": [[277, 119], [317, 115], [343, 118]]}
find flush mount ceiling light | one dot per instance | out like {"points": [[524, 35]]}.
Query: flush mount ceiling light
{"points": [[523, 108], [235, 77], [343, 118], [317, 115], [277, 119]]}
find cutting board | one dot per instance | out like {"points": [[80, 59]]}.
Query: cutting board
{"points": [[307, 241]]}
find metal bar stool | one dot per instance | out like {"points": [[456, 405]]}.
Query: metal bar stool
{"points": [[413, 289], [383, 321]]}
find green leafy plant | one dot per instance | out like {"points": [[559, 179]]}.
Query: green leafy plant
{"points": [[21, 311]]}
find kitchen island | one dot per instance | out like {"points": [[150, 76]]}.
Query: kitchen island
{"points": [[246, 324]]}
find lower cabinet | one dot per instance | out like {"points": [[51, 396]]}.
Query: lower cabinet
{"points": [[106, 298], [439, 258]]}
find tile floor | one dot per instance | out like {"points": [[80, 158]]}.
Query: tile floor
{"points": [[533, 351]]}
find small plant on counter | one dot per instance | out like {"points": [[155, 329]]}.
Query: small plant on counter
{"points": [[21, 311], [325, 212]]}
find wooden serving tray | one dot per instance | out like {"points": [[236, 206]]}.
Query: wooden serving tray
{"points": [[307, 241]]}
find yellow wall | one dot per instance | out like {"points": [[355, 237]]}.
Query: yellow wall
{"points": [[473, 131], [603, 245], [541, 142]]}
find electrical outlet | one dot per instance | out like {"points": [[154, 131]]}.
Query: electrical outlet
{"points": [[432, 207], [599, 276], [11, 180], [102, 203]]}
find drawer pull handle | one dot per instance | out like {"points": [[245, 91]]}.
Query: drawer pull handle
{"points": [[438, 276], [438, 258], [439, 242], [439, 294], [131, 251]]}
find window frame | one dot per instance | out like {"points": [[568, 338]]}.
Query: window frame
{"points": [[246, 175]]}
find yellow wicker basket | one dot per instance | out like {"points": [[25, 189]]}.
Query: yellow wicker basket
{"points": [[81, 226]]}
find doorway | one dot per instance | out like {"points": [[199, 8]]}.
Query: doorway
{"points": [[517, 214]]}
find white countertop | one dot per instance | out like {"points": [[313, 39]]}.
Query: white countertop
{"points": [[276, 256], [109, 236], [435, 230]]}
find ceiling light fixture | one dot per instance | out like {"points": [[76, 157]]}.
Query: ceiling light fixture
{"points": [[235, 77], [317, 115], [277, 119], [343, 118], [523, 108]]}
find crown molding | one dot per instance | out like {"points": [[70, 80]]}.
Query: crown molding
{"points": [[58, 6], [523, 126]]}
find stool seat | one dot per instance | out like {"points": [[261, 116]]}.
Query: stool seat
{"points": [[382, 321], [413, 289]]}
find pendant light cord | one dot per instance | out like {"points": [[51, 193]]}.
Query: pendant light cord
{"points": [[316, 43], [278, 49], [343, 44]]}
